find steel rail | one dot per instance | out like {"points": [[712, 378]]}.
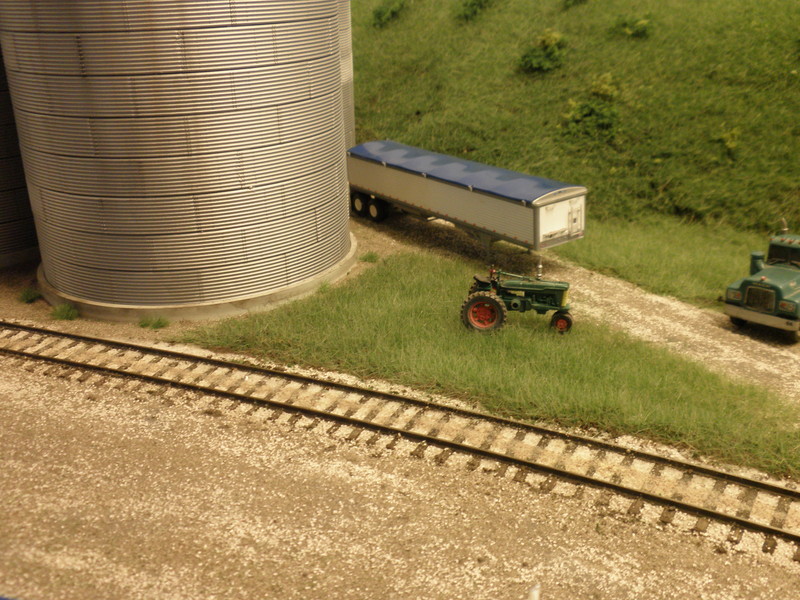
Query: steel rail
{"points": [[432, 441], [683, 466]]}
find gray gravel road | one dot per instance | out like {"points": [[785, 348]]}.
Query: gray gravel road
{"points": [[110, 495]]}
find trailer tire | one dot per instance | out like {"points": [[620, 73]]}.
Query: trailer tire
{"points": [[377, 209], [737, 322], [561, 322], [483, 311], [359, 203]]}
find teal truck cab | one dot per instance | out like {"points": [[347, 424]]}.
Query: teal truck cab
{"points": [[771, 294]]}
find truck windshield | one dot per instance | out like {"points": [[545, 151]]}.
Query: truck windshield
{"points": [[782, 254]]}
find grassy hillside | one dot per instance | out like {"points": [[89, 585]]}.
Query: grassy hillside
{"points": [[680, 107]]}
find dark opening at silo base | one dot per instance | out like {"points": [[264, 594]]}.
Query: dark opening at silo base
{"points": [[125, 313]]}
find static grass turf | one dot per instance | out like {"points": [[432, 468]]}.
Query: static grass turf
{"points": [[688, 261], [400, 321], [680, 107]]}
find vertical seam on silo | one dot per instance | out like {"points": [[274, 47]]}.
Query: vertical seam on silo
{"points": [[232, 11], [182, 50], [187, 136]]}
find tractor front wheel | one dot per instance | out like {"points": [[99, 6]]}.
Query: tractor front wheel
{"points": [[483, 311], [561, 322]]}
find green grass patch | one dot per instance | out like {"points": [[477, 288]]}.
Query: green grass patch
{"points": [[400, 321], [688, 261], [153, 322], [64, 312], [369, 257], [29, 295]]}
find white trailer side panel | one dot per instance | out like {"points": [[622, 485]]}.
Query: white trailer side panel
{"points": [[499, 217]]}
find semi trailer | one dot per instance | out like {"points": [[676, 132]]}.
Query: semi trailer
{"points": [[489, 202]]}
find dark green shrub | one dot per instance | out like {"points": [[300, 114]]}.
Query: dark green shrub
{"points": [[595, 115], [545, 55], [469, 9], [635, 27], [567, 4], [387, 12], [153, 322], [29, 295], [64, 312]]}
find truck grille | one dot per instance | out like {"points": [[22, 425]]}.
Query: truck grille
{"points": [[760, 299]]}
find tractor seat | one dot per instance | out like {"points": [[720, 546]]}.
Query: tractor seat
{"points": [[482, 279]]}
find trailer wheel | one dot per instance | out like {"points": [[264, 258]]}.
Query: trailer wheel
{"points": [[483, 311], [359, 204], [561, 322], [378, 209]]}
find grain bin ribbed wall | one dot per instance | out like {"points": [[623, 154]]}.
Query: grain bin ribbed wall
{"points": [[180, 152], [346, 56], [17, 232]]}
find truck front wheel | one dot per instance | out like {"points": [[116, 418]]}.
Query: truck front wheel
{"points": [[483, 311]]}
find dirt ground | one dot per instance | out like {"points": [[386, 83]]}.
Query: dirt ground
{"points": [[109, 494]]}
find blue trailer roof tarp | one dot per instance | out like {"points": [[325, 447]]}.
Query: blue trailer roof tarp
{"points": [[467, 173]]}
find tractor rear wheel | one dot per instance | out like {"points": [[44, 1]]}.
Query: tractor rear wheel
{"points": [[483, 311], [561, 322]]}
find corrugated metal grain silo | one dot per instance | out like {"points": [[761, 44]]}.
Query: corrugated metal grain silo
{"points": [[181, 155], [346, 56], [17, 232]]}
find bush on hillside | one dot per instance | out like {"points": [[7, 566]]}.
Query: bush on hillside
{"points": [[595, 115], [545, 55], [387, 12], [635, 27], [469, 9]]}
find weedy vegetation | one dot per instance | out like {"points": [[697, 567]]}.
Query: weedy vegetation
{"points": [[369, 257], [153, 322], [64, 312], [29, 295]]}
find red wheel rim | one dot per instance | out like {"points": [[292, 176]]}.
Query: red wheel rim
{"points": [[561, 324], [482, 315]]}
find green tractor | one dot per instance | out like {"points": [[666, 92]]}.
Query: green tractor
{"points": [[490, 298]]}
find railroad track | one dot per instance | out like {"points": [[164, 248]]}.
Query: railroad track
{"points": [[537, 456]]}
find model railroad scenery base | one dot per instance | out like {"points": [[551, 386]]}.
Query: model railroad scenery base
{"points": [[670, 490]]}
